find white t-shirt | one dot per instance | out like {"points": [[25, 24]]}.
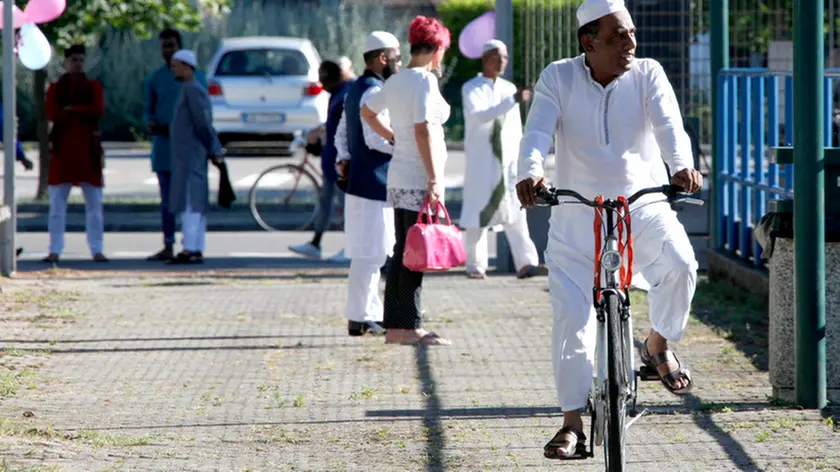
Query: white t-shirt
{"points": [[412, 96]]}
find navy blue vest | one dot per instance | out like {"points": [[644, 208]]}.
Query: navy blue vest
{"points": [[368, 168]]}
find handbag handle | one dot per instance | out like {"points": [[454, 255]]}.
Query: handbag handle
{"points": [[434, 217]]}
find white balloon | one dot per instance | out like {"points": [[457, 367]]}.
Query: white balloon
{"points": [[34, 49]]}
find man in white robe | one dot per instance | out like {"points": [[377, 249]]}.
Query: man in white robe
{"points": [[362, 164], [616, 119], [493, 131]]}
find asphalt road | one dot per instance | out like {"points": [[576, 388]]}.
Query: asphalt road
{"points": [[225, 250], [128, 174]]}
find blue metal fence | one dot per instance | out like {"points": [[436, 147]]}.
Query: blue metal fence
{"points": [[749, 125]]}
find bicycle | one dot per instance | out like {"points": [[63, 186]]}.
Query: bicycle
{"points": [[615, 385], [279, 200]]}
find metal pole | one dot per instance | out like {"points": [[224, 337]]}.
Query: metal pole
{"points": [[7, 243], [719, 52], [809, 202], [504, 33]]}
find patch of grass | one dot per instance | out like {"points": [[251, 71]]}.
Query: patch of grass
{"points": [[762, 436], [97, 439], [299, 402], [4, 467], [712, 408], [732, 312], [11, 380], [277, 434], [366, 393]]}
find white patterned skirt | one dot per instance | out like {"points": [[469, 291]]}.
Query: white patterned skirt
{"points": [[368, 228]]}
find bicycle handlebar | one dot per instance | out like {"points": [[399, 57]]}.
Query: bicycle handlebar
{"points": [[674, 193]]}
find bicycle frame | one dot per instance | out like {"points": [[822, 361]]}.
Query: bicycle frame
{"points": [[612, 283], [613, 267]]}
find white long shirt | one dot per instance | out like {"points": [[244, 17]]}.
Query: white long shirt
{"points": [[372, 139], [486, 100], [611, 140]]}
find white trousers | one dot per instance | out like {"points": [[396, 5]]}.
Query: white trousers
{"points": [[363, 300], [94, 218], [663, 255], [523, 249], [193, 228], [369, 239]]}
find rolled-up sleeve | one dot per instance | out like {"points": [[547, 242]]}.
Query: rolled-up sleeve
{"points": [[666, 120], [540, 126], [372, 138], [476, 105]]}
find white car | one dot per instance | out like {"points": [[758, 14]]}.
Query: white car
{"points": [[265, 89]]}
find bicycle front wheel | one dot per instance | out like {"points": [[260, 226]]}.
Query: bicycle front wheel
{"points": [[616, 386], [285, 197]]}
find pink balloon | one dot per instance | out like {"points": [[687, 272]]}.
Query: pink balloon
{"points": [[18, 17], [476, 33], [44, 11]]}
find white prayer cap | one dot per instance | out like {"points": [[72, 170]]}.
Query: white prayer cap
{"points": [[493, 45], [187, 57], [591, 10], [381, 40]]}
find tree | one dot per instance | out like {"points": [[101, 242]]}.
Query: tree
{"points": [[84, 21]]}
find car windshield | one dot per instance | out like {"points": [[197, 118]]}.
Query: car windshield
{"points": [[252, 62]]}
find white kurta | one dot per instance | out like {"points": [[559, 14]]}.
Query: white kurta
{"points": [[368, 224], [486, 101], [611, 141], [368, 229]]}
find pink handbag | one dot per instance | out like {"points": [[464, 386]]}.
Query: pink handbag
{"points": [[434, 247]]}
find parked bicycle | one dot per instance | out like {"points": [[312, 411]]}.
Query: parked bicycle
{"points": [[282, 193], [614, 390]]}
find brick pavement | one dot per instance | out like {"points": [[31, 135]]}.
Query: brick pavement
{"points": [[252, 371]]}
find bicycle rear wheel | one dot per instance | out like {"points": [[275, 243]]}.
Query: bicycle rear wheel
{"points": [[285, 197], [616, 386]]}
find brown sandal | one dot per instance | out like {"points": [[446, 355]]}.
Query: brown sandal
{"points": [[653, 361], [560, 440]]}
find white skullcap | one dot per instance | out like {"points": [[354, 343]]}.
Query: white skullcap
{"points": [[493, 45], [380, 40], [591, 10], [187, 57]]}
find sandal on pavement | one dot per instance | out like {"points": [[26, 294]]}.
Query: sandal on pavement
{"points": [[186, 257], [532, 271], [653, 361], [477, 275], [163, 255], [561, 441], [429, 339]]}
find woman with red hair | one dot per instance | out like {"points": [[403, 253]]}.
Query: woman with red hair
{"points": [[417, 113]]}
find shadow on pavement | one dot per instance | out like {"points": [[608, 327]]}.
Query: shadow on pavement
{"points": [[734, 449], [435, 439], [142, 340], [210, 264]]}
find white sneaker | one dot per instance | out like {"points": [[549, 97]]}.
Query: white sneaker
{"points": [[308, 250], [339, 258]]}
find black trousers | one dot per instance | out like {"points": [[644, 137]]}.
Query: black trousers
{"points": [[402, 286]]}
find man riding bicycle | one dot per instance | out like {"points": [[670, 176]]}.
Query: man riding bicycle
{"points": [[615, 118]]}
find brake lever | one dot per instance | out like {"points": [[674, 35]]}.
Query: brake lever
{"points": [[691, 201]]}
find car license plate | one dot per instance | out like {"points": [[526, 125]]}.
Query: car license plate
{"points": [[263, 117]]}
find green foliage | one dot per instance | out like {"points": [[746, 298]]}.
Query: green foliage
{"points": [[84, 21]]}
